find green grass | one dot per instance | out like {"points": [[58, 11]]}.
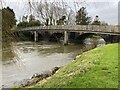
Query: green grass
{"points": [[97, 68]]}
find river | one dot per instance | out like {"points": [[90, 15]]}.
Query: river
{"points": [[31, 57]]}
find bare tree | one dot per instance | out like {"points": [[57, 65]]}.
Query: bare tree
{"points": [[49, 12]]}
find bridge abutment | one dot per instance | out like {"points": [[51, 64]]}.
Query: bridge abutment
{"points": [[65, 38]]}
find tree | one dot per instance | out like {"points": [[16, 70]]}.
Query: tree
{"points": [[51, 19], [32, 22], [96, 21], [24, 18], [47, 22], [8, 21], [23, 24], [61, 21], [31, 18], [82, 17], [49, 12]]}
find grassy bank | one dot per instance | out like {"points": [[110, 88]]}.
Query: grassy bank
{"points": [[97, 68]]}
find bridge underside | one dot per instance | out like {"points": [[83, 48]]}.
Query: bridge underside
{"points": [[67, 36]]}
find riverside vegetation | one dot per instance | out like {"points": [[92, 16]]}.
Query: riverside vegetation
{"points": [[97, 68]]}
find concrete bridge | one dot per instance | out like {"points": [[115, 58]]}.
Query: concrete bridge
{"points": [[65, 29]]}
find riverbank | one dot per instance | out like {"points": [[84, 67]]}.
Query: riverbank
{"points": [[97, 68]]}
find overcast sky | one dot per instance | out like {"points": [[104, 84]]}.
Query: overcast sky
{"points": [[107, 10]]}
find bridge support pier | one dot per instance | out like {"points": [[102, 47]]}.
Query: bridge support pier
{"points": [[35, 36], [65, 38]]}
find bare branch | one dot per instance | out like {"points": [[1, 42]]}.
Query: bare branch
{"points": [[53, 10]]}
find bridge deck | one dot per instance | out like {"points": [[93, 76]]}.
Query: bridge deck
{"points": [[76, 28]]}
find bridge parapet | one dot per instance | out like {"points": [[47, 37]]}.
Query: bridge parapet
{"points": [[89, 28]]}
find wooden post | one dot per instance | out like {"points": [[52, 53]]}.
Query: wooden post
{"points": [[65, 38], [35, 36]]}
